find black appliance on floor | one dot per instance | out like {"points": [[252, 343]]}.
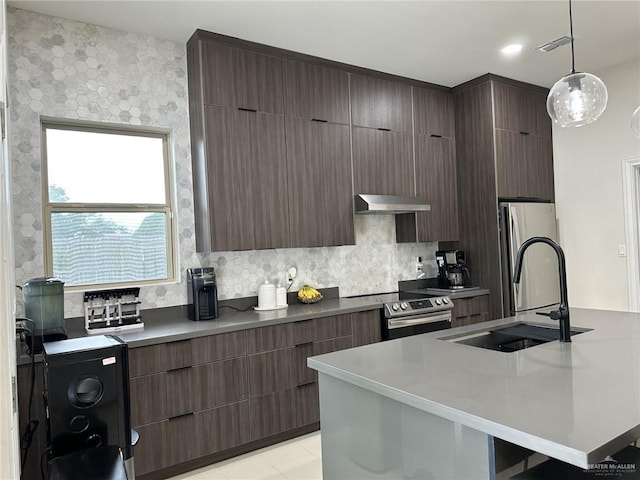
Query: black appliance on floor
{"points": [[86, 393], [202, 293]]}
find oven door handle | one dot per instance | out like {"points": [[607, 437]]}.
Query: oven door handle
{"points": [[419, 320]]}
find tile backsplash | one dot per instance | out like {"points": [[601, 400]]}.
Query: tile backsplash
{"points": [[65, 69]]}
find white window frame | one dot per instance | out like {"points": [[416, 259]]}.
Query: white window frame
{"points": [[631, 184], [168, 207]]}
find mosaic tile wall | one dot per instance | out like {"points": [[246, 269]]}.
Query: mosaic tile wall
{"points": [[72, 70]]}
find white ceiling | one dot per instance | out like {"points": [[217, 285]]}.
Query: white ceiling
{"points": [[443, 42]]}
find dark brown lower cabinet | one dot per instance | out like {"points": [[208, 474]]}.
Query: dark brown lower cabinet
{"points": [[467, 311], [240, 391]]}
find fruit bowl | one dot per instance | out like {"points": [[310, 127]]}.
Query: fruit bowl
{"points": [[311, 300], [308, 294]]}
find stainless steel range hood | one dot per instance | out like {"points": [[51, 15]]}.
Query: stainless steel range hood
{"points": [[389, 204]]}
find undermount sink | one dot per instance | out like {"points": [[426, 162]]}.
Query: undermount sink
{"points": [[512, 337]]}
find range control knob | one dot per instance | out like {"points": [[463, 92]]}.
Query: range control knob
{"points": [[404, 305], [445, 300], [395, 307], [438, 301]]}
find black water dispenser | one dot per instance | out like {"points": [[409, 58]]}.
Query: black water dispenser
{"points": [[202, 293]]}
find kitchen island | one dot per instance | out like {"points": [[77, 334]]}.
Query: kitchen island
{"points": [[426, 407]]}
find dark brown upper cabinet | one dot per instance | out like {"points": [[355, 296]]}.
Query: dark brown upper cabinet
{"points": [[319, 179], [315, 92], [524, 165], [433, 112], [436, 182], [247, 180], [381, 104], [519, 109], [234, 77], [382, 162]]}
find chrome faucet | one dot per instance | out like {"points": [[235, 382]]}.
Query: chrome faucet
{"points": [[562, 314]]}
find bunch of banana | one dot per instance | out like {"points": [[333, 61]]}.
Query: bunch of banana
{"points": [[308, 294]]}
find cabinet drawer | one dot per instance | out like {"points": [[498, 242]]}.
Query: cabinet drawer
{"points": [[181, 441], [160, 358], [332, 327], [366, 328], [332, 345], [221, 428], [301, 373], [302, 331], [151, 452], [148, 399], [264, 339], [219, 347], [464, 307], [307, 404], [270, 371], [180, 394], [272, 413], [219, 383]]}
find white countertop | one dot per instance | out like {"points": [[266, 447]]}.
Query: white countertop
{"points": [[577, 402]]}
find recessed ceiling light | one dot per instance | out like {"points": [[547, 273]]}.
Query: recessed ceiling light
{"points": [[512, 49]]}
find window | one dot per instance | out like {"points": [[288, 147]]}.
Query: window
{"points": [[107, 205]]}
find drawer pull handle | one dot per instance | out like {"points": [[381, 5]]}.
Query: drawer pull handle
{"points": [[178, 369], [307, 384], [384, 129], [253, 110], [524, 133], [303, 344], [180, 416], [319, 120], [433, 135]]}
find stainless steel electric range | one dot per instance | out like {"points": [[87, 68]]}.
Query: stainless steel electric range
{"points": [[414, 316]]}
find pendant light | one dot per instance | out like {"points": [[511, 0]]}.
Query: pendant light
{"points": [[576, 99]]}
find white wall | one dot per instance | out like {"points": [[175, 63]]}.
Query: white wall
{"points": [[589, 194]]}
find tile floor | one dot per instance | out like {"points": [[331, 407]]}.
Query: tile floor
{"points": [[296, 459]]}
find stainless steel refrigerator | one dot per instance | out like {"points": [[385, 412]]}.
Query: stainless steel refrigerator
{"points": [[539, 284]]}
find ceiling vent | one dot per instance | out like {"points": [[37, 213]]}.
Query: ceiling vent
{"points": [[553, 44]]}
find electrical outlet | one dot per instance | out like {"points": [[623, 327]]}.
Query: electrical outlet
{"points": [[292, 273]]}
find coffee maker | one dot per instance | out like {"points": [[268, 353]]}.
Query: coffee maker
{"points": [[202, 293], [452, 269]]}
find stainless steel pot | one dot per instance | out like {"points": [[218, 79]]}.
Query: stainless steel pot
{"points": [[456, 279], [456, 275]]}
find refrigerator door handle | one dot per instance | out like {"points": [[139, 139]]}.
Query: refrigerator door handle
{"points": [[515, 245]]}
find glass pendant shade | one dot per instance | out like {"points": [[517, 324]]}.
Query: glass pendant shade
{"points": [[635, 122], [577, 99]]}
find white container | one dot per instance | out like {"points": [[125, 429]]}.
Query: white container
{"points": [[281, 296], [267, 295]]}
